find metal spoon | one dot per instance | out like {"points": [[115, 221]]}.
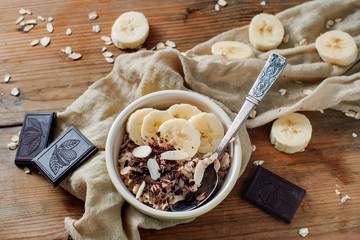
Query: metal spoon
{"points": [[270, 72]]}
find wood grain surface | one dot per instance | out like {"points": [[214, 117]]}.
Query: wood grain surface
{"points": [[49, 81]]}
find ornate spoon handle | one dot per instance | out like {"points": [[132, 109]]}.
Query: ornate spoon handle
{"points": [[271, 71]]}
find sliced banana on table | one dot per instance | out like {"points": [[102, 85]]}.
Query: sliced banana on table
{"points": [[152, 122], [211, 130], [183, 110], [231, 51], [266, 32], [134, 123], [130, 30], [180, 134], [337, 47], [291, 133]]}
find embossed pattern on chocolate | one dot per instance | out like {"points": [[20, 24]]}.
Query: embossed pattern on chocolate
{"points": [[35, 135], [273, 194], [66, 153]]}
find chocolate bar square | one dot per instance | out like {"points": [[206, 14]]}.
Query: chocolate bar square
{"points": [[63, 155], [35, 135], [273, 194]]}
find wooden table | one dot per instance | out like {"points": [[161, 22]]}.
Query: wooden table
{"points": [[49, 81]]}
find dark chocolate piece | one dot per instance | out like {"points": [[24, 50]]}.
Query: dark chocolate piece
{"points": [[63, 155], [273, 194], [36, 135]]}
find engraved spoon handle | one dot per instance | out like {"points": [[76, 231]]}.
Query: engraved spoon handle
{"points": [[270, 72]]}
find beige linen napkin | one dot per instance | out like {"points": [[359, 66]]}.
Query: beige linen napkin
{"points": [[106, 215]]}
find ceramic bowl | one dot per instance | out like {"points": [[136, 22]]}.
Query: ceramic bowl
{"points": [[163, 100]]}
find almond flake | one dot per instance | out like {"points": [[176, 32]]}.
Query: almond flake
{"points": [[26, 170], [321, 111], [49, 27], [217, 7], [108, 54], [22, 24], [109, 60], [199, 172], [34, 42], [28, 28], [75, 56], [140, 190], [154, 168], [68, 32], [31, 22], [45, 41], [105, 38], [174, 155], [170, 44], [337, 20], [222, 3], [104, 49], [337, 192], [68, 50], [24, 11], [160, 46], [108, 43], [303, 231], [282, 91], [142, 151], [12, 145], [93, 15], [19, 20], [258, 162], [15, 92], [286, 38], [41, 18], [7, 78], [354, 135], [343, 199], [15, 138], [50, 19], [253, 113], [307, 92], [96, 28], [303, 42], [350, 113]]}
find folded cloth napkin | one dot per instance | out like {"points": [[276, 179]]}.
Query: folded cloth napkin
{"points": [[106, 215]]}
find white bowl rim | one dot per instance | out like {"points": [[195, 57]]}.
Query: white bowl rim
{"points": [[130, 198]]}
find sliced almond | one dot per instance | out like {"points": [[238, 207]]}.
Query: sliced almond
{"points": [[93, 15], [49, 27], [28, 28], [109, 60], [141, 190], [142, 151], [34, 42], [19, 20], [68, 31], [31, 22], [7, 78], [199, 172], [108, 54], [45, 41], [12, 145], [105, 38], [154, 168], [15, 92], [174, 155], [75, 56]]}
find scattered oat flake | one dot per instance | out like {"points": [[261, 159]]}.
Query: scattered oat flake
{"points": [[68, 32], [45, 41], [232, 140], [31, 22], [105, 38], [19, 20], [96, 28], [108, 54], [7, 78], [263, 3], [170, 44], [327, 26], [286, 38], [26, 170], [22, 24], [343, 199], [296, 44], [222, 3], [23, 11], [75, 56], [258, 162], [28, 28], [93, 15], [108, 43], [217, 7], [253, 113], [337, 20], [303, 231], [68, 50], [109, 60], [282, 91], [303, 42], [50, 19], [357, 115], [12, 145], [298, 82], [141, 49], [15, 92], [34, 42], [354, 135], [330, 22], [160, 46], [307, 92], [321, 111], [350, 113], [15, 138], [104, 49], [41, 18], [49, 27], [337, 192], [253, 148]]}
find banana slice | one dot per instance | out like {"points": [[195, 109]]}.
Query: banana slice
{"points": [[130, 30], [266, 32], [180, 134], [134, 123], [291, 133], [211, 130], [337, 47], [152, 122], [231, 51], [185, 111]]}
